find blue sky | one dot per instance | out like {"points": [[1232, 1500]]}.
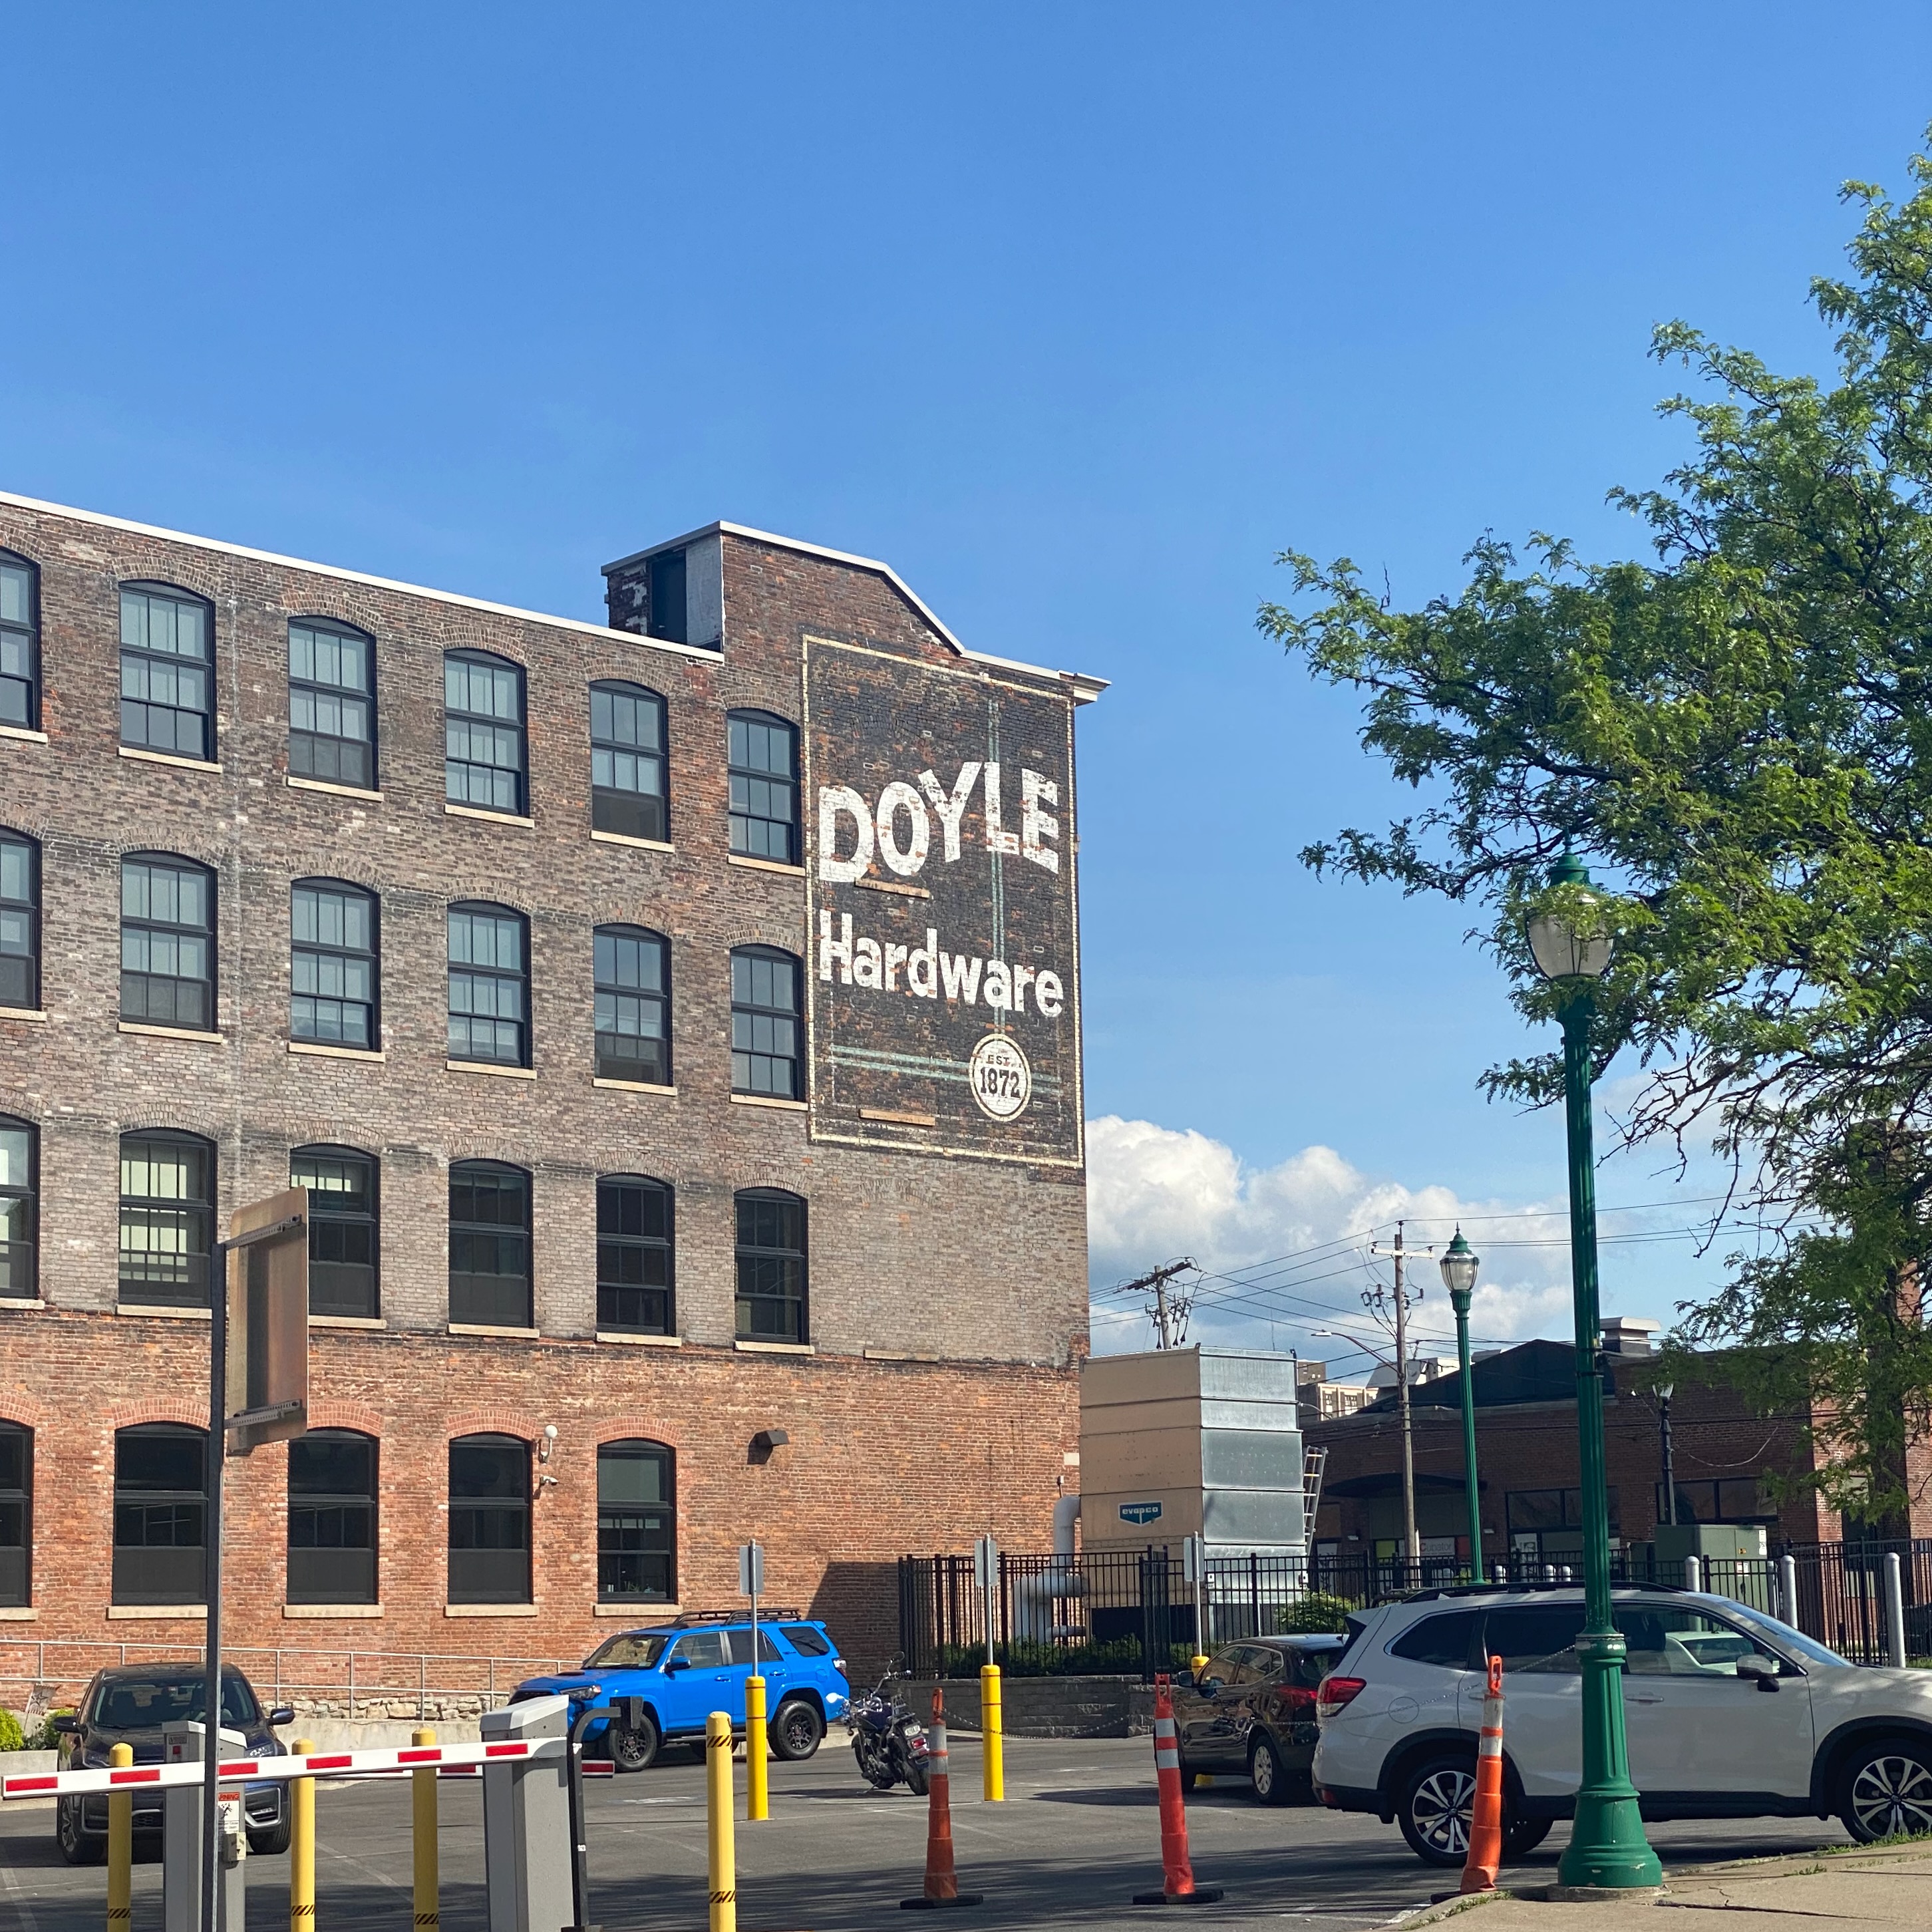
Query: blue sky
{"points": [[1074, 313]]}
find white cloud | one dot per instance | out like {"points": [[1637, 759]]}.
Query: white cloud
{"points": [[1155, 1193]]}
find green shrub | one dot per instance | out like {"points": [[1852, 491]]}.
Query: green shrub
{"points": [[1315, 1615], [12, 1738]]}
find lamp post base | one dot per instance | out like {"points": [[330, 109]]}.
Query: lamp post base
{"points": [[1607, 1852]]}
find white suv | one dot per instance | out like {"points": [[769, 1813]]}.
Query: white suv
{"points": [[1729, 1714]]}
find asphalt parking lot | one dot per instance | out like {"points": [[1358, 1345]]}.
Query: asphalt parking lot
{"points": [[1078, 1835]]}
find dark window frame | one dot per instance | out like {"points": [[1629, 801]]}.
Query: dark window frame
{"points": [[495, 975], [748, 786], [341, 951], [611, 994], [629, 811], [24, 1284], [473, 1577], [140, 1579], [757, 1255], [16, 1535], [622, 1280], [329, 1294], [312, 740], [179, 863], [626, 1547], [349, 1572], [753, 1012], [667, 595], [27, 675], [26, 983], [147, 655], [475, 1312], [199, 1259], [487, 720]]}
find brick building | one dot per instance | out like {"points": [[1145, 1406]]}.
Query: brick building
{"points": [[674, 1178]]}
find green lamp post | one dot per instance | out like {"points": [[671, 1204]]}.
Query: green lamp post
{"points": [[1458, 1266], [1607, 1848]]}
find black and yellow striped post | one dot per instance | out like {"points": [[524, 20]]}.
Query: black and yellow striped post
{"points": [[724, 1844], [422, 1803], [302, 1846], [120, 1848]]}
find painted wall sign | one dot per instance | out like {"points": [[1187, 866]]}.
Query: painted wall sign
{"points": [[1140, 1513], [943, 974]]}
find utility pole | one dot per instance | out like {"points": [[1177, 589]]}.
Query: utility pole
{"points": [[1168, 1312], [1372, 1300]]}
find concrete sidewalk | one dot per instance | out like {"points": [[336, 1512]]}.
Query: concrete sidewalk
{"points": [[1875, 1886]]}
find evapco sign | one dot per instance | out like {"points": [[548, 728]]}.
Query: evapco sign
{"points": [[944, 964]]}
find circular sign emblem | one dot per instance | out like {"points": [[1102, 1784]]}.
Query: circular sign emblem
{"points": [[1002, 1080]]}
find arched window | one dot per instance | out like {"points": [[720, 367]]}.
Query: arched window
{"points": [[331, 703], [343, 1250], [763, 774], [484, 757], [489, 985], [167, 1219], [627, 762], [765, 1024], [636, 1523], [490, 1245], [489, 1519], [19, 642], [20, 1218], [332, 1517], [167, 671], [333, 976], [772, 1270], [16, 1516], [167, 942], [632, 966], [634, 1264], [160, 1511], [19, 922]]}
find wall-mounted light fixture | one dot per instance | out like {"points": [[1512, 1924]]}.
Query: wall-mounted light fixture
{"points": [[764, 1443], [548, 1443]]}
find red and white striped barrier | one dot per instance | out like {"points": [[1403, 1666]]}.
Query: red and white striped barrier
{"points": [[450, 1760]]}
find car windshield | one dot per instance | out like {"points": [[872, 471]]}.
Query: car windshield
{"points": [[142, 1704], [1785, 1638], [635, 1650]]}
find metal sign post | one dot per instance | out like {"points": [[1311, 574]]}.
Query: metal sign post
{"points": [[258, 1285], [986, 1574], [752, 1583], [1194, 1570]]}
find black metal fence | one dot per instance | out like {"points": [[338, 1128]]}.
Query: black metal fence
{"points": [[1135, 1612]]}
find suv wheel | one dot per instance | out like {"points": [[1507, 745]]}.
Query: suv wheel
{"points": [[273, 1841], [1888, 1789], [632, 1750], [1270, 1781], [1433, 1809], [75, 1846], [796, 1729]]}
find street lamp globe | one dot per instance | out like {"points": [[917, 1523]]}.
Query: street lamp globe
{"points": [[1458, 1266], [1565, 941]]}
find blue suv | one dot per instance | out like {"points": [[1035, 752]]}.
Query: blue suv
{"points": [[682, 1671]]}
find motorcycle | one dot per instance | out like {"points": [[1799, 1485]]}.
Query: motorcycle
{"points": [[888, 1740]]}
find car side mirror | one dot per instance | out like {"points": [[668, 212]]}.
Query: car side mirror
{"points": [[677, 1663], [67, 1724], [283, 1714], [1762, 1668]]}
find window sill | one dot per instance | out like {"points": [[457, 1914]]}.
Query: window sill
{"points": [[166, 1309], [638, 1613], [489, 1609], [625, 838], [167, 758], [331, 1612], [151, 1613], [633, 1086], [25, 736], [322, 1052], [295, 783], [770, 1100], [22, 1301], [763, 865], [22, 1012], [775, 1348], [18, 1613], [486, 1066], [892, 885], [640, 1341], [171, 1033], [892, 1355], [490, 1328], [346, 1321], [489, 817]]}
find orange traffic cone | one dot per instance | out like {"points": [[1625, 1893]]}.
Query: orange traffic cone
{"points": [[942, 1885], [1177, 1886], [1486, 1815]]}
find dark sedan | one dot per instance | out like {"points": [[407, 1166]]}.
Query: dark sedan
{"points": [[1252, 1710], [128, 1705]]}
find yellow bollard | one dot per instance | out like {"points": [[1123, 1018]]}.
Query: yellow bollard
{"points": [[120, 1849], [422, 1801], [724, 1845], [301, 1845], [993, 1736], [758, 1796]]}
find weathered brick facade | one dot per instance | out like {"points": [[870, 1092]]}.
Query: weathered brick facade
{"points": [[941, 1396]]}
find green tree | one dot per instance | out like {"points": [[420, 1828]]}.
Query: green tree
{"points": [[1738, 736]]}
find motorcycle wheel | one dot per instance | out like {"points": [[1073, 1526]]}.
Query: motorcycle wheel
{"points": [[874, 1769], [915, 1777]]}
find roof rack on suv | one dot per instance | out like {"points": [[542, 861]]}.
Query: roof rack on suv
{"points": [[1511, 1589], [768, 1613]]}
